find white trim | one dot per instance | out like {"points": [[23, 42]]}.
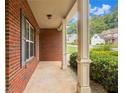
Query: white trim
{"points": [[29, 23], [64, 61], [29, 41], [27, 60], [72, 12]]}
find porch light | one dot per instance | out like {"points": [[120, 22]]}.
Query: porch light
{"points": [[49, 16]]}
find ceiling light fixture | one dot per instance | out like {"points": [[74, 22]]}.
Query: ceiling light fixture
{"points": [[49, 16]]}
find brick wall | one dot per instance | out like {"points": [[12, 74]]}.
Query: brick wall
{"points": [[50, 45], [17, 76]]}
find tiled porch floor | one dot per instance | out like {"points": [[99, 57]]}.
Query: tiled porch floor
{"points": [[50, 78]]}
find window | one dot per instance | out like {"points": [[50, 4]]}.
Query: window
{"points": [[29, 40]]}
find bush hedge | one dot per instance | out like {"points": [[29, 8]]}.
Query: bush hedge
{"points": [[103, 69], [102, 47], [73, 62]]}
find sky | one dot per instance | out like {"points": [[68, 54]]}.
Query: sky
{"points": [[99, 7]]}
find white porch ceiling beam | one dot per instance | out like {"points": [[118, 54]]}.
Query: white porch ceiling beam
{"points": [[72, 12]]}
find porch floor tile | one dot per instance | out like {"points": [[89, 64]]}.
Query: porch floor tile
{"points": [[50, 78]]}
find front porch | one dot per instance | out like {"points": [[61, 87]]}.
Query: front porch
{"points": [[50, 78], [30, 38]]}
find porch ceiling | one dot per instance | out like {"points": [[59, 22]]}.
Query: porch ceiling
{"points": [[57, 8]]}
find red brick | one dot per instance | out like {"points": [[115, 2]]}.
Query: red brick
{"points": [[50, 45], [16, 75]]}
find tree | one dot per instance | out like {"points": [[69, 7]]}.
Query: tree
{"points": [[101, 23], [112, 19], [72, 28], [97, 25]]}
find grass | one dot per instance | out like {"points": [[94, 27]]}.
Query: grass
{"points": [[71, 49], [73, 43]]}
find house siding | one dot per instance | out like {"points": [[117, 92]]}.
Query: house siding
{"points": [[17, 76], [50, 45]]}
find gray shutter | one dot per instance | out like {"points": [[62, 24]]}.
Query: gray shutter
{"points": [[23, 57]]}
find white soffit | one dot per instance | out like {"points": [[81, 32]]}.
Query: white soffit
{"points": [[57, 8], [72, 12]]}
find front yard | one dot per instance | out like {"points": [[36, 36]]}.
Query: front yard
{"points": [[104, 66], [71, 48]]}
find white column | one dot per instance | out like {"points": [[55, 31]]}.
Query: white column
{"points": [[83, 60], [64, 64]]}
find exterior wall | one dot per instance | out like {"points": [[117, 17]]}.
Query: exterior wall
{"points": [[71, 38], [97, 40], [16, 75], [50, 45], [115, 42]]}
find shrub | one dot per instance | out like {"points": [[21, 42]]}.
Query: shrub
{"points": [[72, 61], [102, 48], [103, 69], [114, 53], [72, 43]]}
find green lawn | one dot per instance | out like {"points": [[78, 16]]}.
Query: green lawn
{"points": [[71, 49]]}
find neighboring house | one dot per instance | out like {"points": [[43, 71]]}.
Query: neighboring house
{"points": [[109, 37], [96, 39], [71, 38]]}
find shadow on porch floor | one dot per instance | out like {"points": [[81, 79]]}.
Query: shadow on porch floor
{"points": [[49, 78]]}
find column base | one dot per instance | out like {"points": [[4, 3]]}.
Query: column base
{"points": [[83, 89], [63, 66], [83, 76]]}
